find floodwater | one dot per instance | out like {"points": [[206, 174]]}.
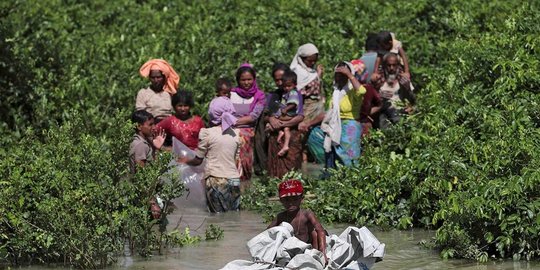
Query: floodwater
{"points": [[402, 248]]}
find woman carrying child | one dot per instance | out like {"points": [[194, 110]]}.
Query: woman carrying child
{"points": [[310, 86], [183, 125], [342, 131], [248, 101], [279, 165]]}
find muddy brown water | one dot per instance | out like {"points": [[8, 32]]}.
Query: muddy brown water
{"points": [[402, 248]]}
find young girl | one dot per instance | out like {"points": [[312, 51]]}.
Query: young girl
{"points": [[183, 125]]}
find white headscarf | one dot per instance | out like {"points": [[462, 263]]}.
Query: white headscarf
{"points": [[305, 75], [331, 125]]}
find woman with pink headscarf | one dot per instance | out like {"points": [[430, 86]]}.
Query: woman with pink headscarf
{"points": [[156, 99], [248, 101]]}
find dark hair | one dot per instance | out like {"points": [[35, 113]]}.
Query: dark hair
{"points": [[223, 81], [289, 75], [279, 66], [182, 97], [372, 43], [384, 37], [343, 64], [141, 116], [241, 71]]}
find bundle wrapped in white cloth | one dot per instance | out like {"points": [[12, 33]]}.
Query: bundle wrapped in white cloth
{"points": [[277, 248]]}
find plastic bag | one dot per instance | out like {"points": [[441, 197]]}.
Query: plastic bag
{"points": [[192, 176]]}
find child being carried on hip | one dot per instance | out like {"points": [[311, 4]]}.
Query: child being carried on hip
{"points": [[291, 102]]}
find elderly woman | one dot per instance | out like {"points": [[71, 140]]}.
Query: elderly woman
{"points": [[156, 99], [248, 101], [280, 165], [309, 85], [342, 131]]}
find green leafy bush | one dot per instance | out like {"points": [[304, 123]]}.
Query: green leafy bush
{"points": [[464, 164]]}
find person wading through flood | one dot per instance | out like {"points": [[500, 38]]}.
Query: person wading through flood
{"points": [[305, 225], [220, 145]]}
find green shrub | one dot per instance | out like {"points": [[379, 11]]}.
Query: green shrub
{"points": [[464, 164]]}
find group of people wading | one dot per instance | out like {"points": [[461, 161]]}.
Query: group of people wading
{"points": [[249, 131]]}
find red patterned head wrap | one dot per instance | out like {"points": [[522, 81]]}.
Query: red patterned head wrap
{"points": [[291, 187]]}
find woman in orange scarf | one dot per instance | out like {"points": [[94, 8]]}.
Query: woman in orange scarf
{"points": [[156, 99]]}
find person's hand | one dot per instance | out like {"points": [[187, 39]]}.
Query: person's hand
{"points": [[345, 71], [320, 70], [375, 76], [409, 110], [159, 139], [303, 126], [406, 75], [182, 159], [274, 123]]}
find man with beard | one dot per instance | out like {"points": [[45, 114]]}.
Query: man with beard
{"points": [[395, 90]]}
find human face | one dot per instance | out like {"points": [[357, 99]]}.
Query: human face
{"points": [[224, 91], [340, 79], [291, 203], [157, 80], [182, 110], [311, 60], [246, 80], [277, 78], [288, 86], [391, 64], [387, 46], [147, 128]]}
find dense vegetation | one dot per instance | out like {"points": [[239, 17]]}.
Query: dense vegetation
{"points": [[465, 163]]}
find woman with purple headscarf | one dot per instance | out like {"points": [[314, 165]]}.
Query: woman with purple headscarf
{"points": [[220, 145], [248, 101]]}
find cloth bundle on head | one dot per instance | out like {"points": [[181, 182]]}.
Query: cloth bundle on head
{"points": [[159, 64], [305, 74], [221, 111], [257, 94], [331, 123], [359, 70], [291, 187]]}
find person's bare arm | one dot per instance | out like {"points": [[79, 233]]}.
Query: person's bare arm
{"points": [[321, 234], [375, 76], [278, 124], [245, 120], [274, 222], [375, 110], [304, 126], [141, 163], [405, 63]]}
